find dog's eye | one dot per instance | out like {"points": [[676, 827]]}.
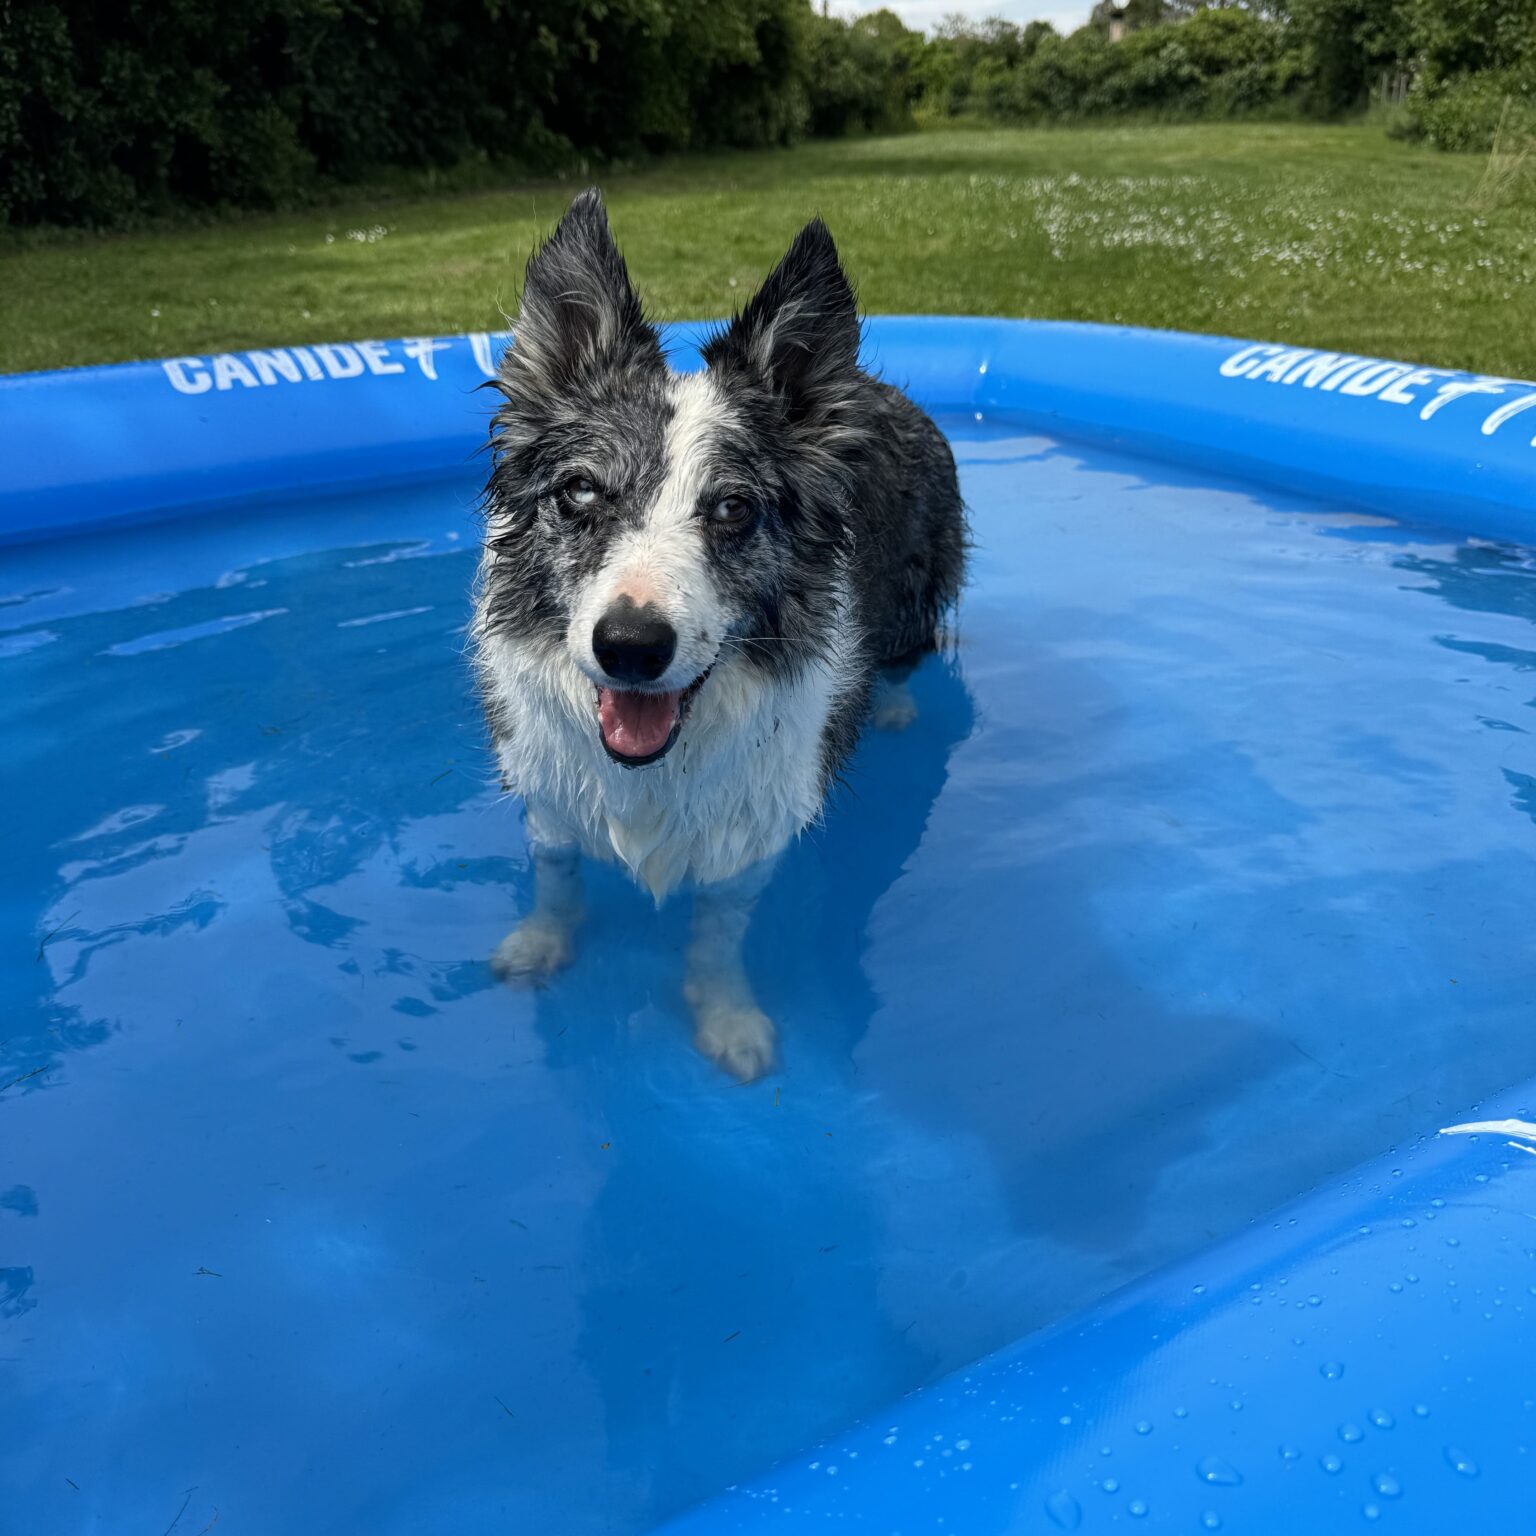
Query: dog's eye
{"points": [[731, 511], [579, 491]]}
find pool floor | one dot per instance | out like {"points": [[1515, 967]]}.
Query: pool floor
{"points": [[1201, 876]]}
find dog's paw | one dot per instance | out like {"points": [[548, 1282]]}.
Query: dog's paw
{"points": [[894, 708], [534, 951], [738, 1039]]}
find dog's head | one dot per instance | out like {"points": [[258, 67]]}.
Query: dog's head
{"points": [[651, 529]]}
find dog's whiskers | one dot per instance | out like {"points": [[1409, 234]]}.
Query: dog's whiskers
{"points": [[764, 640]]}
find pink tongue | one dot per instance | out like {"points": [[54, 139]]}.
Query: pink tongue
{"points": [[636, 724]]}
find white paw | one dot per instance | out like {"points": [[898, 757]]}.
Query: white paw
{"points": [[739, 1040], [533, 951], [895, 708]]}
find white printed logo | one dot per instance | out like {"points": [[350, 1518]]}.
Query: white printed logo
{"points": [[1372, 377], [327, 360]]}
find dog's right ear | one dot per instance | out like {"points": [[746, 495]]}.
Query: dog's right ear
{"points": [[579, 312]]}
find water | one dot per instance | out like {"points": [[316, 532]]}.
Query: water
{"points": [[1200, 877]]}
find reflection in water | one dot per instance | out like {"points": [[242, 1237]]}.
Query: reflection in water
{"points": [[1490, 579], [1208, 880]]}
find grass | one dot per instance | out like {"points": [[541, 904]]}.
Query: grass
{"points": [[1317, 235]]}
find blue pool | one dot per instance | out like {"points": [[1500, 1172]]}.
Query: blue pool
{"points": [[1203, 878]]}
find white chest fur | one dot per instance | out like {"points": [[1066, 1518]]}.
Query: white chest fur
{"points": [[743, 779]]}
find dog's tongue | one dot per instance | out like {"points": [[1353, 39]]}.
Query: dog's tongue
{"points": [[636, 724]]}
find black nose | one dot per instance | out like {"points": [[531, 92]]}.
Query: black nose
{"points": [[633, 645]]}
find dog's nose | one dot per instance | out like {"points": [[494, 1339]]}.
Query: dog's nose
{"points": [[633, 645]]}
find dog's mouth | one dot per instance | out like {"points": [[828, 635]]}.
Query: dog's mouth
{"points": [[641, 728]]}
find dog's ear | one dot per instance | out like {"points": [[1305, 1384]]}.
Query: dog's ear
{"points": [[579, 312], [799, 332]]}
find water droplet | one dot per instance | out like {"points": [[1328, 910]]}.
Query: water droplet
{"points": [[1351, 1434], [1211, 1520], [1453, 1242], [1143, 1427], [1181, 1413], [1137, 1507], [1314, 1301], [1371, 1511], [962, 1445], [1331, 1463], [1289, 1453], [1396, 1287], [1411, 1278], [889, 1440], [1459, 1461], [1387, 1485], [1199, 1290], [1382, 1419], [1332, 1369], [1066, 1418], [1214, 1470], [1064, 1510], [1420, 1410], [1110, 1485]]}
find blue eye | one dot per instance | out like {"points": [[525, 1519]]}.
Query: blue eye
{"points": [[731, 511], [579, 491]]}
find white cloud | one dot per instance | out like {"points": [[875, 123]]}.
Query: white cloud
{"points": [[925, 14]]}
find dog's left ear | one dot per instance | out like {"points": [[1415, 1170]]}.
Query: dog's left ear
{"points": [[579, 312], [799, 333]]}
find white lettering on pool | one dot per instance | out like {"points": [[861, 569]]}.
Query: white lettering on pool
{"points": [[281, 366], [376, 354], [421, 350], [340, 360], [228, 370], [183, 381], [1371, 378]]}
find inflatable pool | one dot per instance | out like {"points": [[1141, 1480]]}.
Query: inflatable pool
{"points": [[1123, 997]]}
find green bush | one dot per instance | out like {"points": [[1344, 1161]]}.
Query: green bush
{"points": [[1466, 113], [1345, 45], [861, 75], [1217, 63], [113, 110]]}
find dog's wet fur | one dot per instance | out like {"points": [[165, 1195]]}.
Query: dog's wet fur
{"points": [[691, 585]]}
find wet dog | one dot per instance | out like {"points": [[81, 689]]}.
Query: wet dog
{"points": [[694, 590]]}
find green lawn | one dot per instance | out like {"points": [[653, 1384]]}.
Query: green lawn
{"points": [[1326, 236]]}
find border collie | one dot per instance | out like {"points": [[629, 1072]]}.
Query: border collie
{"points": [[694, 589]]}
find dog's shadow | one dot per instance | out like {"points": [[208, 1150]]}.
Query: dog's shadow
{"points": [[978, 1093], [718, 1198]]}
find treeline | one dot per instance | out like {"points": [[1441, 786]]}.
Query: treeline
{"points": [[1454, 69], [113, 111]]}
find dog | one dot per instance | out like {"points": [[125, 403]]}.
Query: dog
{"points": [[694, 589]]}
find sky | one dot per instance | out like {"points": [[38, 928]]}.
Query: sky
{"points": [[924, 13]]}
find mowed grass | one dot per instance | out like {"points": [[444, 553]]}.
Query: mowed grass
{"points": [[1315, 235]]}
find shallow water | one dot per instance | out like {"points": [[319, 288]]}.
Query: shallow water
{"points": [[1203, 874]]}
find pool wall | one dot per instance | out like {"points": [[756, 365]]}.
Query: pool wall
{"points": [[102, 446], [1354, 1357]]}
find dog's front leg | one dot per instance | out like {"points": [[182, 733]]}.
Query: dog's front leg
{"points": [[728, 1026], [544, 941]]}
